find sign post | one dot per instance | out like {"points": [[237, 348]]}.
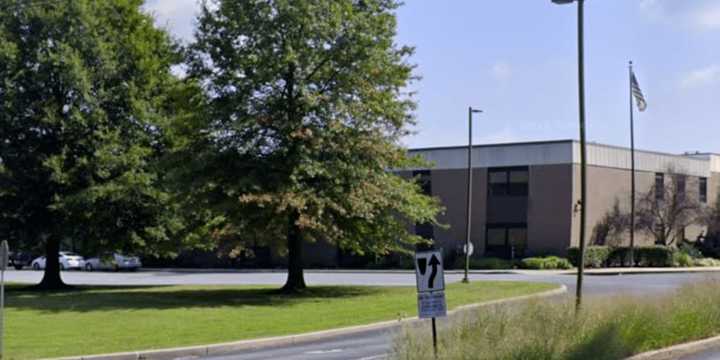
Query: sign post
{"points": [[4, 258], [430, 277]]}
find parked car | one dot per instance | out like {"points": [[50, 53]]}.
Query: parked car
{"points": [[19, 259], [68, 260], [113, 261]]}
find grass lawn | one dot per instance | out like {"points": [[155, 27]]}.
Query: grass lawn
{"points": [[91, 320], [607, 328]]}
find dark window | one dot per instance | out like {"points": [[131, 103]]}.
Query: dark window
{"points": [[659, 186], [703, 189], [680, 186], [508, 181], [498, 183], [506, 240]]}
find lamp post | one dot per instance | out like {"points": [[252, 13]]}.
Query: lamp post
{"points": [[471, 111], [583, 164]]}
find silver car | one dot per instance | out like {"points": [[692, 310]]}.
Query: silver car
{"points": [[113, 261]]}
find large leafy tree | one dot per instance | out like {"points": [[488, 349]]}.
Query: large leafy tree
{"points": [[306, 106], [85, 91]]}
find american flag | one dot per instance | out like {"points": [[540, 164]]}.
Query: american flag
{"points": [[637, 93]]}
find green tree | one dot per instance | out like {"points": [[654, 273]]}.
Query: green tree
{"points": [[306, 107], [85, 92]]}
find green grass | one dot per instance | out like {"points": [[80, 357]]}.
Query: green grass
{"points": [[91, 320], [605, 329]]}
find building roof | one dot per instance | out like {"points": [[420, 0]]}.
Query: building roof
{"points": [[567, 152]]}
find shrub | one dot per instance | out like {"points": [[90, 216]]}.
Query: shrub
{"points": [[595, 256], [690, 249], [484, 263], [545, 263], [654, 256], [681, 259], [706, 262]]}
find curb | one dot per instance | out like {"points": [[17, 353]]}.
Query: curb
{"points": [[225, 348], [677, 351]]}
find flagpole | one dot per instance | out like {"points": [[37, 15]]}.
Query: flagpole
{"points": [[632, 171]]}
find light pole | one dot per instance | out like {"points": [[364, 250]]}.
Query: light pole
{"points": [[583, 164], [471, 111]]}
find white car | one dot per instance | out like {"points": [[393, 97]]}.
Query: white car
{"points": [[113, 261], [68, 260]]}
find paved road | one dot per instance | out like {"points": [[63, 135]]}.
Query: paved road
{"points": [[371, 345]]}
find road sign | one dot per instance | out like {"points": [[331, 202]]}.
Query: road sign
{"points": [[431, 304], [472, 249], [429, 271]]}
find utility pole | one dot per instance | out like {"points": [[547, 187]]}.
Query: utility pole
{"points": [[468, 219]]}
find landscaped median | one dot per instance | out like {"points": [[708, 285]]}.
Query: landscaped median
{"points": [[605, 329], [93, 320]]}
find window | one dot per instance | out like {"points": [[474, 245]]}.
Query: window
{"points": [[703, 190], [498, 183], [680, 186], [506, 240], [659, 186], [508, 181]]}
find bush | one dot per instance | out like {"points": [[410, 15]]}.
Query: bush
{"points": [[595, 256], [489, 263], [545, 263], [681, 259], [690, 249], [706, 262], [654, 256]]}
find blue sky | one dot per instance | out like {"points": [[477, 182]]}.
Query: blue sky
{"points": [[516, 60]]}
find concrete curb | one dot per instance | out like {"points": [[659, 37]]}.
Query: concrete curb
{"points": [[225, 348], [677, 351]]}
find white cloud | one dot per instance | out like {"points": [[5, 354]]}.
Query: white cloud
{"points": [[501, 71], [178, 16], [701, 77], [709, 17]]}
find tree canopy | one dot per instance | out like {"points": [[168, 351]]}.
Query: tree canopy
{"points": [[85, 93], [306, 104]]}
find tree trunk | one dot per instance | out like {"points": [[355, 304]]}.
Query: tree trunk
{"points": [[51, 278], [296, 279]]}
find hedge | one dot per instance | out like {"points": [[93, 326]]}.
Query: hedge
{"points": [[645, 256], [546, 263]]}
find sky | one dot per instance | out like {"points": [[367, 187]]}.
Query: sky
{"points": [[517, 61]]}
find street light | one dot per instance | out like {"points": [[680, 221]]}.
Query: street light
{"points": [[583, 165], [471, 111]]}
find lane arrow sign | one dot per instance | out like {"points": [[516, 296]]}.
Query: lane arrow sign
{"points": [[434, 262]]}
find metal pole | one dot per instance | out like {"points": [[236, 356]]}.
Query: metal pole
{"points": [[2, 311], [466, 279], [632, 174], [434, 333], [583, 164]]}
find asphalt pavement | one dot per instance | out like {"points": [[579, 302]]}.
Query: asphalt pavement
{"points": [[374, 344]]}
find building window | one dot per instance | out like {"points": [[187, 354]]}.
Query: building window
{"points": [[680, 186], [703, 190], [659, 186], [506, 240], [508, 181]]}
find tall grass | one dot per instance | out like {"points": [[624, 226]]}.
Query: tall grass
{"points": [[606, 328]]}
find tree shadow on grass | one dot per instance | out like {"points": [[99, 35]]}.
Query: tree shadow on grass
{"points": [[605, 343], [98, 298]]}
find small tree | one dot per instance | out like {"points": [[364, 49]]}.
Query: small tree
{"points": [[664, 211]]}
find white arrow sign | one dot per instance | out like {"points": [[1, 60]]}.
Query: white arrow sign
{"points": [[429, 271]]}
